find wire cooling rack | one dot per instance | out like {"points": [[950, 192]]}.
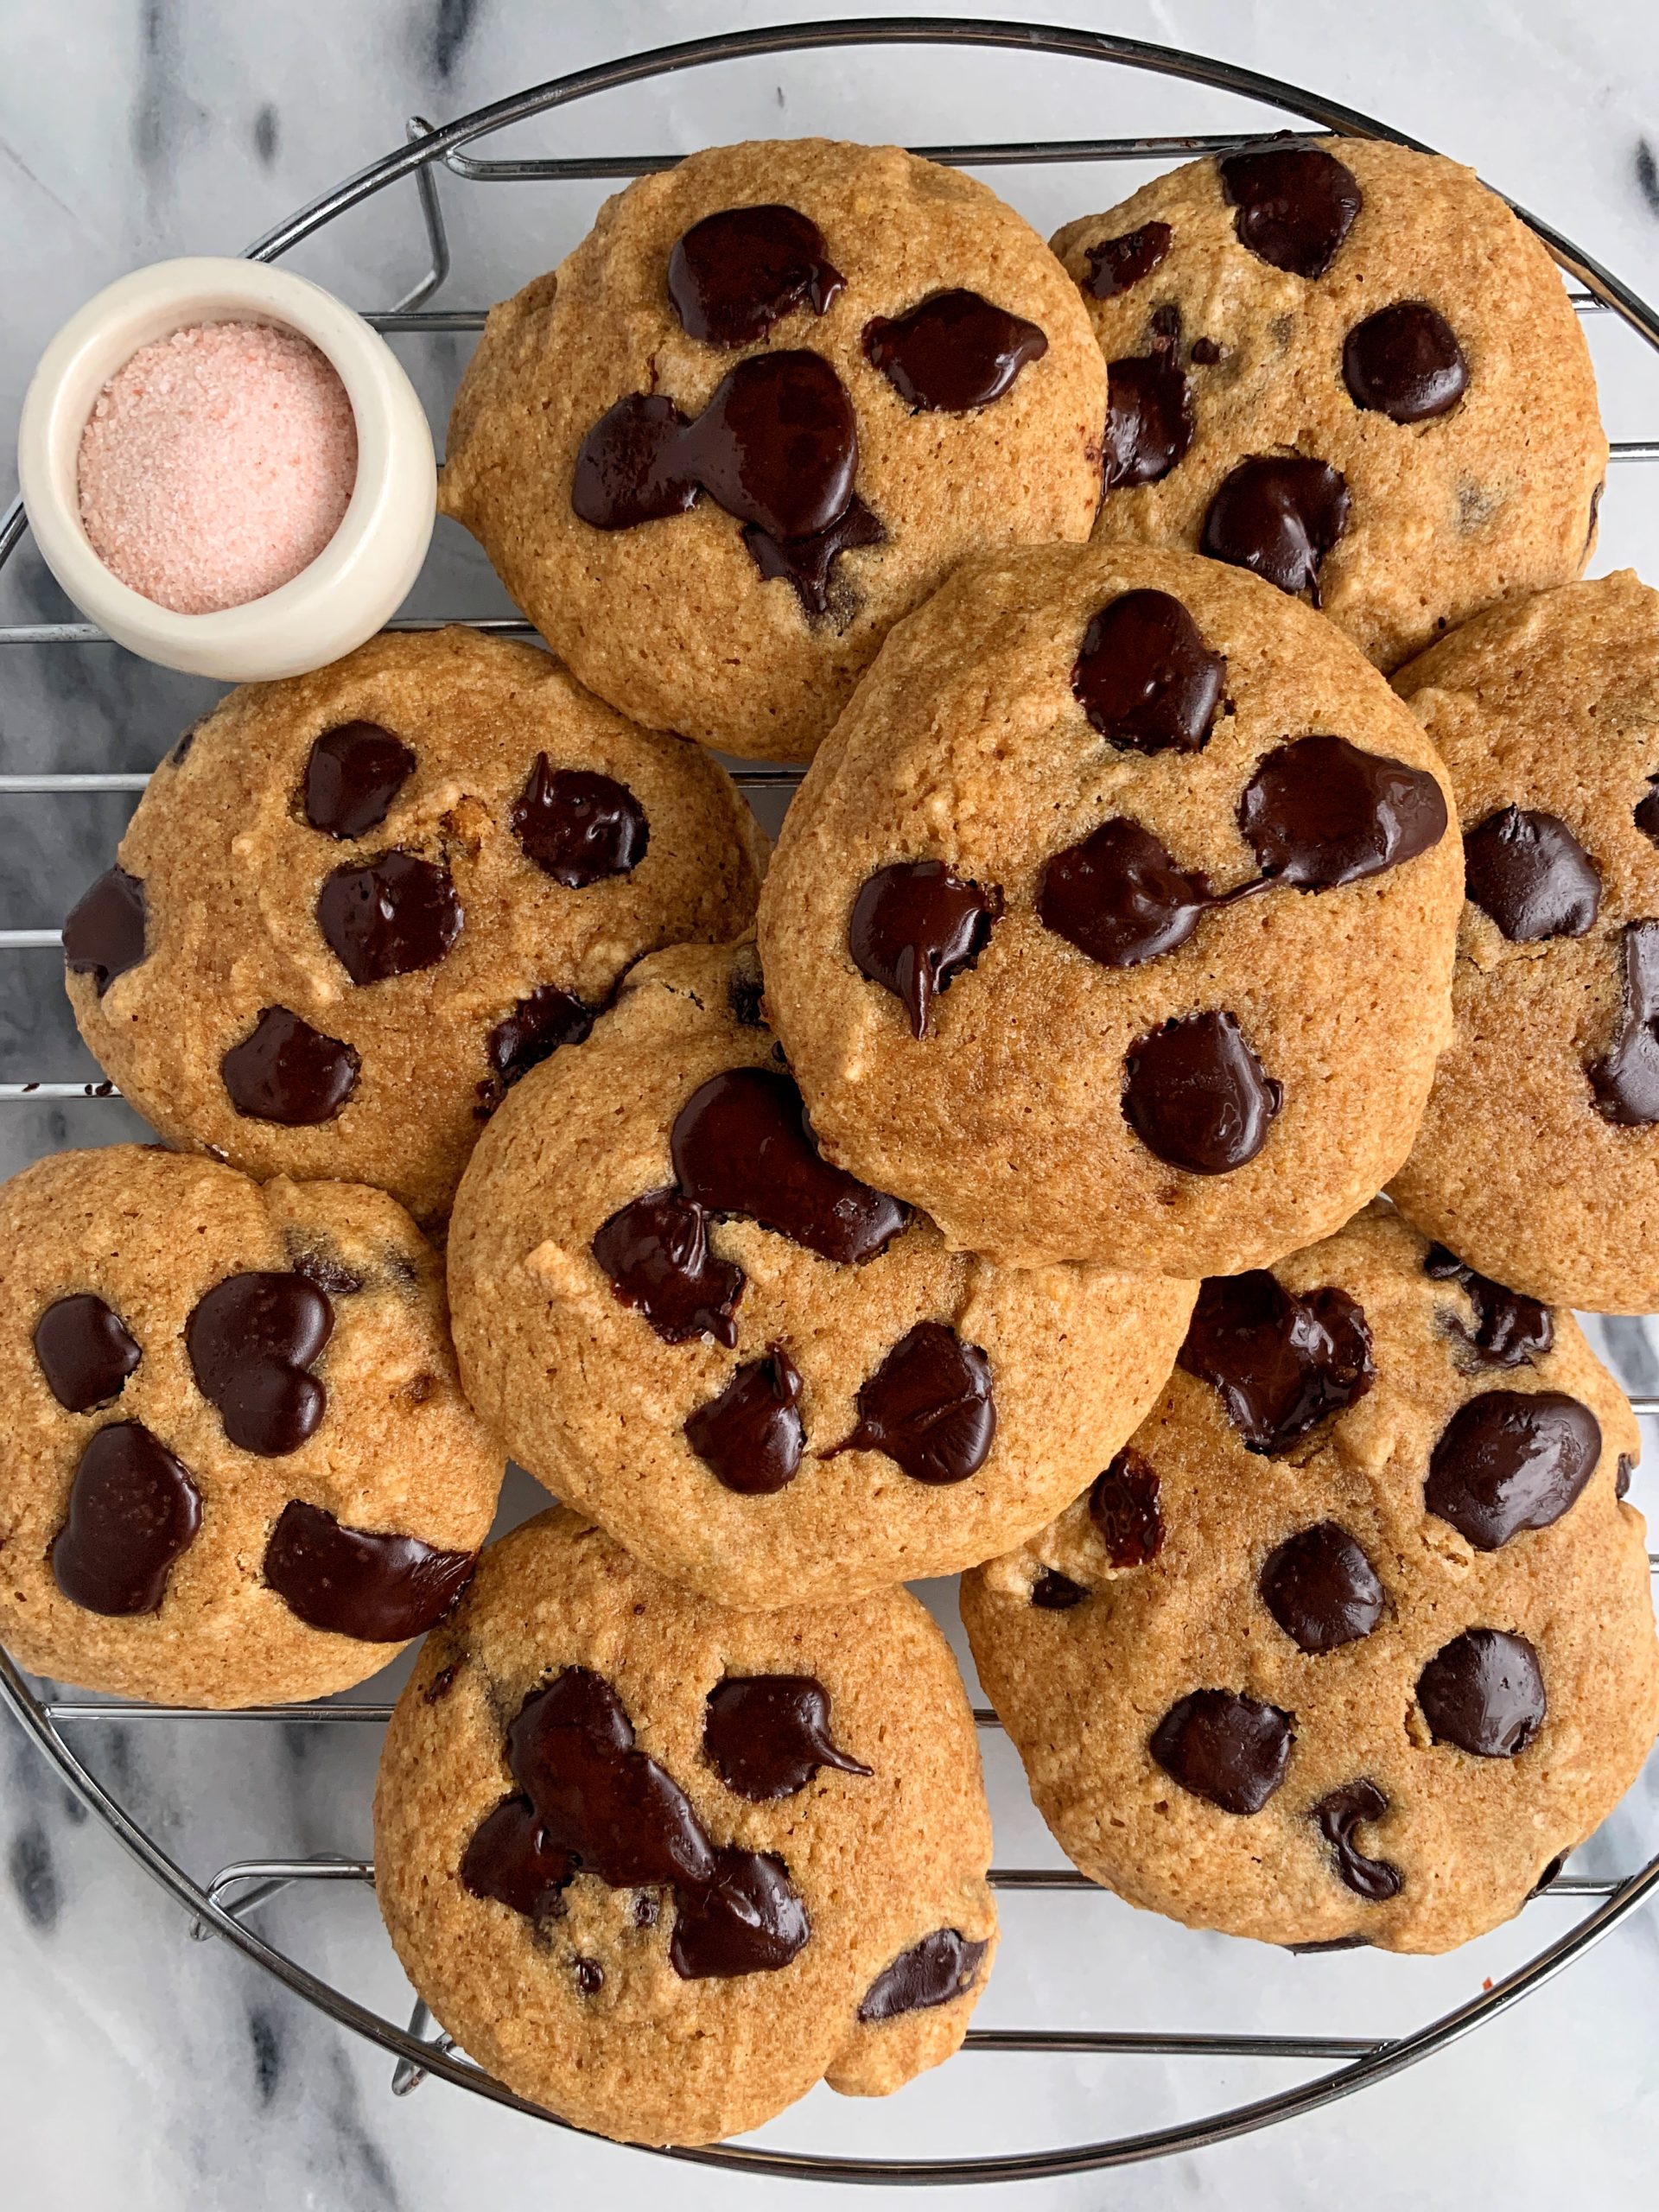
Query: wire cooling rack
{"points": [[224, 1904]]}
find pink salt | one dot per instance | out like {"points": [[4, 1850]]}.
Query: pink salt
{"points": [[217, 464]]}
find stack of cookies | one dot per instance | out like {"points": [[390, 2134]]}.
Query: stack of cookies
{"points": [[986, 1181]]}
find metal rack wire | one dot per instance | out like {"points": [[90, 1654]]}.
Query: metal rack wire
{"points": [[224, 1905]]}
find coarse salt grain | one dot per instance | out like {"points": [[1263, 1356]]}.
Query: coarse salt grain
{"points": [[217, 464]]}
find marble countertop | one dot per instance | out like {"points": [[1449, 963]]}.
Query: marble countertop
{"points": [[138, 2068]]}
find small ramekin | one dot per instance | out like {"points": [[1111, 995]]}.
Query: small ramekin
{"points": [[363, 573]]}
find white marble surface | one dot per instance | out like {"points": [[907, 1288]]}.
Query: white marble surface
{"points": [[138, 2068]]}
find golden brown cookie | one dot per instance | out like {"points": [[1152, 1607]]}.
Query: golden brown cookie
{"points": [[1116, 920], [1538, 1158], [759, 414], [352, 907], [769, 1381], [1355, 1642], [240, 1469], [1347, 366], [660, 1866]]}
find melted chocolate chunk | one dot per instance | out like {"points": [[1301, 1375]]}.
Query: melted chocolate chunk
{"points": [[1645, 814], [532, 1033], [285, 1071], [1278, 516], [250, 1340], [510, 1860], [1530, 873], [1296, 204], [104, 932], [1483, 1691], [84, 1350], [392, 916], [375, 1586], [1510, 1329], [1195, 1095], [1509, 1460], [939, 1968], [916, 927], [579, 827], [1281, 1363], [1626, 1083], [1621, 1474], [1120, 897], [750, 1436], [732, 275], [1123, 1506], [133, 1510], [1405, 362], [1333, 1943], [1319, 812], [748, 1919], [655, 1253], [1232, 1751], [1148, 417], [1054, 1593], [741, 1144], [329, 1274], [806, 564], [1321, 1589], [929, 1406], [766, 1735], [1337, 1817], [1146, 678], [1116, 264], [952, 352], [352, 776], [631, 466]]}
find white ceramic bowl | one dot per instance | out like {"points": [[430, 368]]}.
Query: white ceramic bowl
{"points": [[362, 575]]}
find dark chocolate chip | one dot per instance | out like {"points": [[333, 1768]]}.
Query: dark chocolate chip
{"points": [[748, 1918], [391, 917], [1278, 516], [352, 776], [1123, 1506], [1509, 1460], [1054, 1593], [1405, 362], [1195, 1095], [806, 564], [1551, 1872], [510, 1860], [285, 1071], [1145, 678], [777, 444], [1231, 1750], [766, 1735], [371, 1583], [250, 1340], [1296, 204], [741, 1144], [1626, 1083], [1320, 1588], [929, 1405], [547, 1018], [1646, 812], [655, 1253], [1319, 812], [133, 1510], [590, 1977], [1621, 1474], [645, 1910], [631, 466], [751, 1435], [1119, 897], [84, 1350], [952, 352], [441, 1683], [1205, 352], [1530, 873], [330, 1274], [104, 932], [1332, 1943], [745, 993], [577, 826], [1336, 1817], [939, 1968], [1510, 1329], [1148, 417], [1116, 264], [1483, 1691], [1281, 1361], [915, 927], [732, 275]]}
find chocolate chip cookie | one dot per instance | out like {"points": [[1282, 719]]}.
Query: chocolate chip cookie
{"points": [[240, 1469], [1348, 368], [758, 415], [1354, 1642], [769, 1380], [353, 907], [661, 1868], [1538, 1158], [1116, 920]]}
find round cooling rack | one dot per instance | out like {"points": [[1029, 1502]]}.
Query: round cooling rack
{"points": [[222, 1905]]}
